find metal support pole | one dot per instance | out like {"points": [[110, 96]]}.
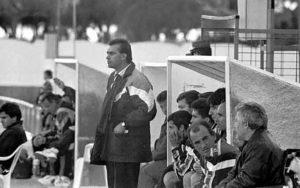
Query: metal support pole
{"points": [[270, 37], [74, 28], [236, 38], [298, 61], [169, 109]]}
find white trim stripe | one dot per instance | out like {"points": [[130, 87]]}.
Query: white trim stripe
{"points": [[220, 165], [147, 97]]}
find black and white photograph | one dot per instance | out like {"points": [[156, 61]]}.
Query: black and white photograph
{"points": [[149, 94]]}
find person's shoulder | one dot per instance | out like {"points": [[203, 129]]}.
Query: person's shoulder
{"points": [[14, 131], [137, 74], [227, 149], [139, 80]]}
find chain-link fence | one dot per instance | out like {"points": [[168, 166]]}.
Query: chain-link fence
{"points": [[274, 50]]}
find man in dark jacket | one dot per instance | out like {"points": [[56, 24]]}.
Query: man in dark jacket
{"points": [[14, 134], [122, 138], [150, 173], [259, 164]]}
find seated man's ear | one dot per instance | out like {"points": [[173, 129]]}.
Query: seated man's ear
{"points": [[181, 128], [207, 119]]}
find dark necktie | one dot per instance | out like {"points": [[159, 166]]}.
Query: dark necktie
{"points": [[117, 78]]}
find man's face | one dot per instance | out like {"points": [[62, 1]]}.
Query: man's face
{"points": [[172, 128], [49, 107], [213, 112], [196, 116], [163, 107], [6, 120], [203, 141], [183, 105], [240, 126], [46, 77], [114, 57], [221, 116]]}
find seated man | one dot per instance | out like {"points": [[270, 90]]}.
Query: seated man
{"points": [[185, 100], [214, 101], [53, 145], [214, 164], [13, 135], [178, 123], [260, 161], [200, 109], [150, 173]]}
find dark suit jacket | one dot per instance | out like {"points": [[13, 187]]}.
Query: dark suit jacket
{"points": [[10, 140], [260, 164], [129, 99]]}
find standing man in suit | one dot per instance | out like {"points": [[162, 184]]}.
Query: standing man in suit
{"points": [[122, 138]]}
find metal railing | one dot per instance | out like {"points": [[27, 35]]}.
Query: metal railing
{"points": [[31, 114], [275, 50]]}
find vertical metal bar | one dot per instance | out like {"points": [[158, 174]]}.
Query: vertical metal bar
{"points": [[262, 54], [298, 61], [228, 103], [74, 28], [236, 37], [77, 89], [270, 25], [169, 108]]}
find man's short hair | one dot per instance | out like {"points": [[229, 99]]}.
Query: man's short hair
{"points": [[201, 106], [217, 97], [189, 96], [52, 98], [195, 127], [162, 96], [180, 117], [254, 114], [12, 110], [206, 94], [48, 73], [124, 47]]}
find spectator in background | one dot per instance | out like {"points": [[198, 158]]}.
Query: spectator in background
{"points": [[201, 47], [50, 104], [69, 93], [150, 173], [185, 99], [54, 145], [259, 164], [48, 86], [48, 78], [13, 135]]}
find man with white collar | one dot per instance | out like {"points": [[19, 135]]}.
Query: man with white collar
{"points": [[122, 138]]}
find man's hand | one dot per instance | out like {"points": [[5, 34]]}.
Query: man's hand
{"points": [[197, 168], [119, 129], [59, 83]]}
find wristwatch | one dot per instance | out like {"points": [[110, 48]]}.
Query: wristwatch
{"points": [[123, 124]]}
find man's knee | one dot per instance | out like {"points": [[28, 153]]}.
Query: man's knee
{"points": [[170, 179], [187, 180]]}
